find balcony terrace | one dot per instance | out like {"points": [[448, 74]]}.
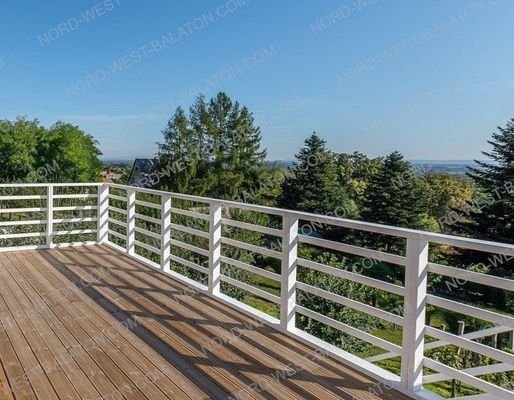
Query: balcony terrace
{"points": [[124, 314]]}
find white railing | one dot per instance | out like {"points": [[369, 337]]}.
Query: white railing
{"points": [[142, 223]]}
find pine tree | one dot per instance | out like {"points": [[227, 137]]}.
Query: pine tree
{"points": [[312, 184], [393, 198], [491, 216]]}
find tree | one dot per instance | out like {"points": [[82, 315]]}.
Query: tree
{"points": [[393, 197], [313, 184], [355, 171], [68, 154], [442, 193], [30, 152], [214, 151], [18, 149], [491, 216]]}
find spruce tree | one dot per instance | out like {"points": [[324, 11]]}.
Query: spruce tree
{"points": [[393, 198], [491, 216], [312, 184]]}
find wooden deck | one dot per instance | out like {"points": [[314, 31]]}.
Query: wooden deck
{"points": [[90, 323]]}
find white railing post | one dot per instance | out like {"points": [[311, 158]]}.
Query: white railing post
{"points": [[288, 284], [215, 249], [165, 232], [131, 220], [414, 313], [49, 215], [103, 213]]}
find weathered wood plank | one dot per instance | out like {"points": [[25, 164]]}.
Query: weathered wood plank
{"points": [[62, 312]]}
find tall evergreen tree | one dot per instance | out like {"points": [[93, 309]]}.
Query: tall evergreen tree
{"points": [[214, 151], [180, 155], [393, 198], [312, 184], [491, 216]]}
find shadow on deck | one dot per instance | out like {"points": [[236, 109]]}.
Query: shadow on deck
{"points": [[91, 323]]}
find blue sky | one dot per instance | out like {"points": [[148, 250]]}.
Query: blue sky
{"points": [[429, 78]]}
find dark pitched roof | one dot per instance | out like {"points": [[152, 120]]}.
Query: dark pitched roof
{"points": [[144, 172]]}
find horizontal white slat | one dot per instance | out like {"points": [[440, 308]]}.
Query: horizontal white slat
{"points": [[356, 305], [251, 247], [189, 264], [440, 343], [189, 247], [148, 204], [352, 276], [476, 397], [148, 219], [76, 196], [117, 234], [22, 210], [74, 220], [469, 243], [476, 347], [466, 378], [350, 330], [358, 251], [123, 224], [23, 197], [476, 371], [76, 208], [117, 210], [188, 213], [253, 207], [191, 231], [74, 232], [27, 185], [19, 223], [495, 330], [465, 275], [249, 288], [147, 247], [115, 197], [148, 233], [22, 235], [495, 318], [252, 227], [250, 268]]}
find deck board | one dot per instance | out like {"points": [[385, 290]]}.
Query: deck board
{"points": [[91, 323]]}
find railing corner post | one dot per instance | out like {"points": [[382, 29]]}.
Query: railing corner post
{"points": [[288, 272], [103, 213], [131, 220], [414, 313], [165, 232], [49, 215], [215, 249]]}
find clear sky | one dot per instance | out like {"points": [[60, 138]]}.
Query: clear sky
{"points": [[430, 78]]}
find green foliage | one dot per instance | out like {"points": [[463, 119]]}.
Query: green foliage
{"points": [[392, 196], [213, 151], [312, 185], [492, 218], [443, 192], [30, 152], [335, 311], [355, 172]]}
